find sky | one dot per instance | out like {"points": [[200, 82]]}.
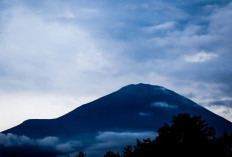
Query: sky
{"points": [[56, 55]]}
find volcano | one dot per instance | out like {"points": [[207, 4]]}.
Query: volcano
{"points": [[133, 108]]}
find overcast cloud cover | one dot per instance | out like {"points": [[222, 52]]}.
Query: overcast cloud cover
{"points": [[57, 55]]}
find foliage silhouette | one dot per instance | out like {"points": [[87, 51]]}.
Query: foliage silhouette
{"points": [[127, 152], [111, 154], [81, 154], [186, 136], [185, 130]]}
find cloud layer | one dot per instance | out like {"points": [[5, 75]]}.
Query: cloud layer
{"points": [[48, 143], [116, 141], [102, 142]]}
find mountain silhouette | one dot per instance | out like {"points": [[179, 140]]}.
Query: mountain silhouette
{"points": [[134, 107]]}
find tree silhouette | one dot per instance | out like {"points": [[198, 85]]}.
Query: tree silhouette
{"points": [[186, 136], [81, 154], [111, 154], [226, 142], [127, 152], [185, 130]]}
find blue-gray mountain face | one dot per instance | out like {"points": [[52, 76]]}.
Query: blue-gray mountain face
{"points": [[140, 108]]}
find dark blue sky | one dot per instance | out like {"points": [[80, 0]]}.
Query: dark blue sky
{"points": [[56, 55]]}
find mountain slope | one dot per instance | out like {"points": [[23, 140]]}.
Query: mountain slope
{"points": [[138, 107]]}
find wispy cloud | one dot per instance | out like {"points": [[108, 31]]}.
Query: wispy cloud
{"points": [[200, 57], [160, 27], [163, 105]]}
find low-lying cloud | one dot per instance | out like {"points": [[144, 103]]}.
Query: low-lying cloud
{"points": [[163, 105], [115, 141], [52, 143], [9, 139]]}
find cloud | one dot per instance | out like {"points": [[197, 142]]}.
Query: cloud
{"points": [[163, 105], [57, 48], [14, 140], [144, 114], [42, 55], [219, 23], [115, 141], [161, 27], [221, 110], [200, 57], [194, 42], [222, 107], [118, 136], [50, 143]]}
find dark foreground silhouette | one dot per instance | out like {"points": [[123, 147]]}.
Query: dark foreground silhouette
{"points": [[186, 136]]}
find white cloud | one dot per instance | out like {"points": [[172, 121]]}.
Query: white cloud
{"points": [[163, 105], [200, 57], [221, 106], [225, 111], [161, 27]]}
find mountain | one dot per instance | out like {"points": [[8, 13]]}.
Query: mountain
{"points": [[133, 108]]}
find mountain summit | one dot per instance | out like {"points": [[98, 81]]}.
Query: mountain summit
{"points": [[136, 107]]}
